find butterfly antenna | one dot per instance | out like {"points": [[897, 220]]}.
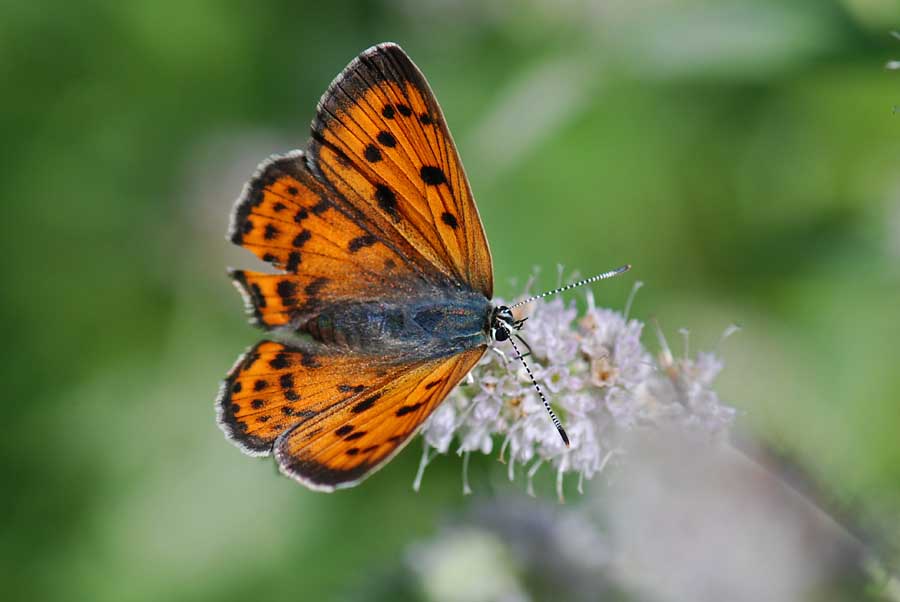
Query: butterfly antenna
{"points": [[556, 422], [561, 289]]}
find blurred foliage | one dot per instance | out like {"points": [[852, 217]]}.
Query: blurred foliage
{"points": [[742, 155]]}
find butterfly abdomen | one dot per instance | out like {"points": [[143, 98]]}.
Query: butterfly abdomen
{"points": [[433, 325]]}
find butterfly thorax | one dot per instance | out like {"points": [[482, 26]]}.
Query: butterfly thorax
{"points": [[435, 324]]}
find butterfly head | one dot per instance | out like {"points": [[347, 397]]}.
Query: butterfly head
{"points": [[503, 323]]}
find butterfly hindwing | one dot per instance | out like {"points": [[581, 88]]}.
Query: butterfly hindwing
{"points": [[381, 141], [340, 447], [273, 387]]}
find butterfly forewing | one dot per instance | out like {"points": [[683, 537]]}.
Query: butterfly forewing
{"points": [[289, 219], [380, 139]]}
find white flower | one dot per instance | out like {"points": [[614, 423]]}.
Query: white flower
{"points": [[894, 65], [600, 379], [466, 565]]}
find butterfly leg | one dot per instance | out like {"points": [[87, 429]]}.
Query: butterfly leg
{"points": [[527, 346], [468, 381], [502, 355]]}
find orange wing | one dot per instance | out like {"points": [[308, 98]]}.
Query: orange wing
{"points": [[332, 419], [273, 387], [289, 219], [341, 447], [381, 141]]}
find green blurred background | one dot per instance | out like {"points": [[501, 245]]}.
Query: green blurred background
{"points": [[742, 155]]}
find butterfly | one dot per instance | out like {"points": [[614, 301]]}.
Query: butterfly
{"points": [[382, 302]]}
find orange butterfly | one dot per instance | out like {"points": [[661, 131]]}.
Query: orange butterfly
{"points": [[384, 298]]}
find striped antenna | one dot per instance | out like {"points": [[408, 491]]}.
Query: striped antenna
{"points": [[556, 422], [561, 289]]}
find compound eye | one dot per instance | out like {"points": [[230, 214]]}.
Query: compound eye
{"points": [[501, 335]]}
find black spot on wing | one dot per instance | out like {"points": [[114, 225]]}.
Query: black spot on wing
{"points": [[432, 175], [365, 404], [351, 388], [361, 241], [271, 232], [404, 110], [355, 436], [386, 139], [260, 384], [372, 154], [388, 112], [280, 361], [293, 261], [301, 238], [286, 289], [257, 404], [404, 410], [387, 200], [341, 431], [449, 219]]}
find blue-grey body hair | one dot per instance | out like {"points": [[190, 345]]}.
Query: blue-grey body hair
{"points": [[434, 323]]}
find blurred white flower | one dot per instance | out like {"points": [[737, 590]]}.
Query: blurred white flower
{"points": [[894, 65], [691, 521], [466, 565], [601, 380]]}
